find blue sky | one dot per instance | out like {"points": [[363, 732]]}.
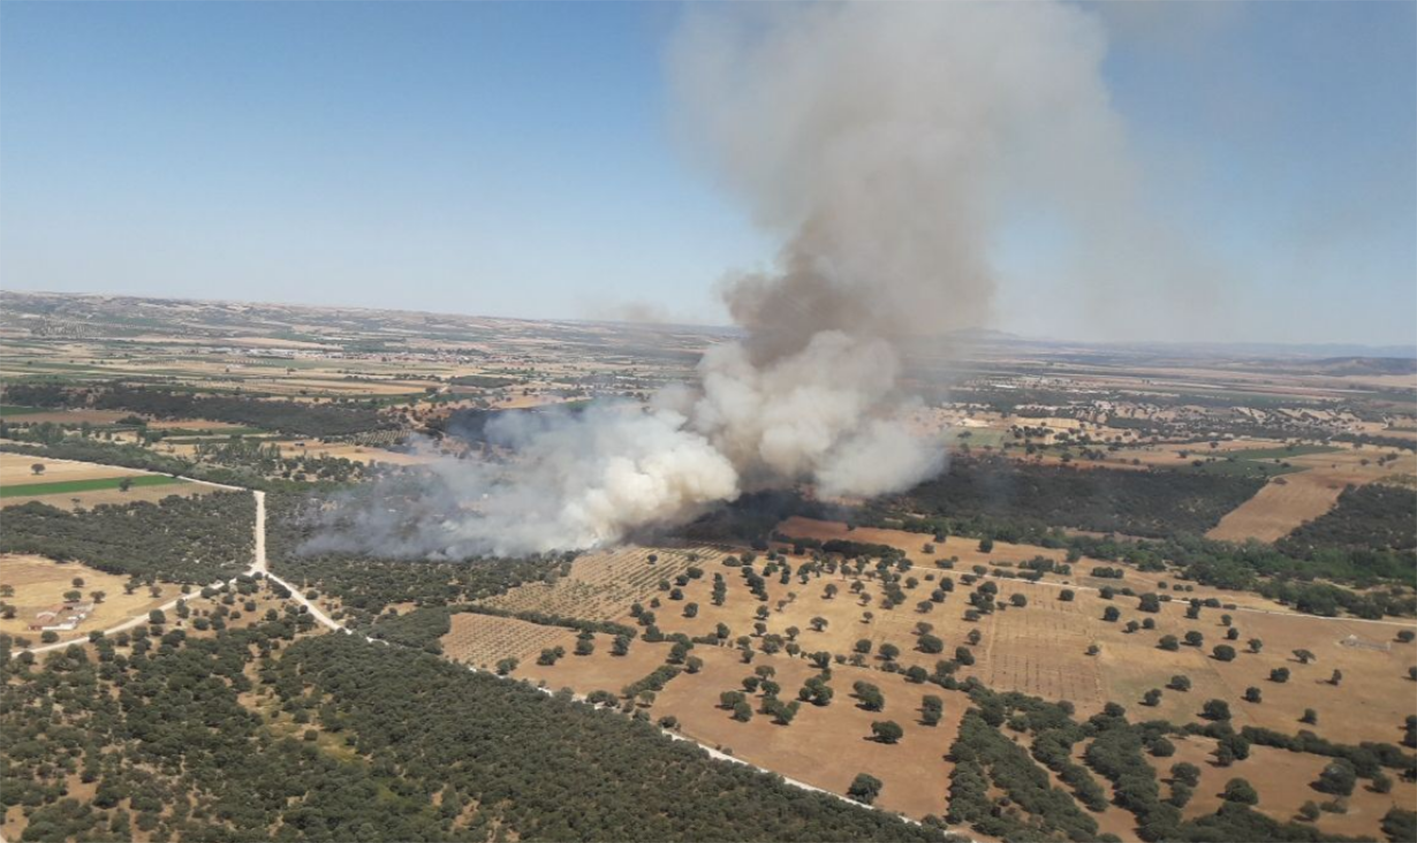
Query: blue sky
{"points": [[516, 159]]}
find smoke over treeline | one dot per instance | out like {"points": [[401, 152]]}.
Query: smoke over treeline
{"points": [[880, 143]]}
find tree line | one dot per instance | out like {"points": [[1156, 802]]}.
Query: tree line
{"points": [[196, 539]]}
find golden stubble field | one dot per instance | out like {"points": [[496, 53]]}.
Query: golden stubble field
{"points": [[39, 584], [1284, 781], [16, 470], [823, 746], [1287, 501]]}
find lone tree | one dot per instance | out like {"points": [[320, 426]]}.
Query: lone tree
{"points": [[1240, 792], [887, 731], [1179, 682], [125, 484], [1223, 653], [819, 623], [1279, 675], [1338, 778], [864, 788], [1337, 678], [1252, 694], [1169, 642], [37, 469], [1152, 697], [1216, 710], [1304, 656], [1310, 717], [870, 696], [1186, 773], [1256, 645]]}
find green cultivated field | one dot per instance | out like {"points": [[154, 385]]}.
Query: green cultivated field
{"points": [[12, 410], [1281, 453], [67, 487]]}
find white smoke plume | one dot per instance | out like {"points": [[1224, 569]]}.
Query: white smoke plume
{"points": [[882, 143]]}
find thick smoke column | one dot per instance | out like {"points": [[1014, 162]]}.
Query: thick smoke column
{"points": [[880, 142]]}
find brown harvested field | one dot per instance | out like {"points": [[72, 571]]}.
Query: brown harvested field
{"points": [[1284, 781], [1286, 502], [603, 584], [1039, 649], [71, 417], [1279, 508], [15, 470], [598, 671], [40, 584], [99, 497], [1042, 649], [966, 550], [825, 747], [481, 640]]}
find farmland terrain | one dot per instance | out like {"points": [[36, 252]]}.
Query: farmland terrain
{"points": [[1145, 574]]}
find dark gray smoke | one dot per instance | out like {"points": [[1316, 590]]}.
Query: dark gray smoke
{"points": [[882, 143]]}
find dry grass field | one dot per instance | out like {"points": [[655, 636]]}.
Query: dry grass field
{"points": [[602, 585], [16, 469], [56, 485], [482, 640], [1284, 781], [1040, 649], [824, 746], [1007, 555], [98, 497], [40, 583], [1282, 505], [1286, 502]]}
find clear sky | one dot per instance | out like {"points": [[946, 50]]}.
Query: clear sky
{"points": [[516, 159]]}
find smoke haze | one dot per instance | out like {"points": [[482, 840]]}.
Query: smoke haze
{"points": [[881, 144]]}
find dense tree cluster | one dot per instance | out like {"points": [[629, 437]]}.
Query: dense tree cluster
{"points": [[1143, 503], [178, 539], [1367, 519], [298, 418], [994, 781]]}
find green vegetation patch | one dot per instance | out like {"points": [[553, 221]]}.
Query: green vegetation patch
{"points": [[1282, 452], [178, 539], [17, 410], [62, 487], [1368, 519]]}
